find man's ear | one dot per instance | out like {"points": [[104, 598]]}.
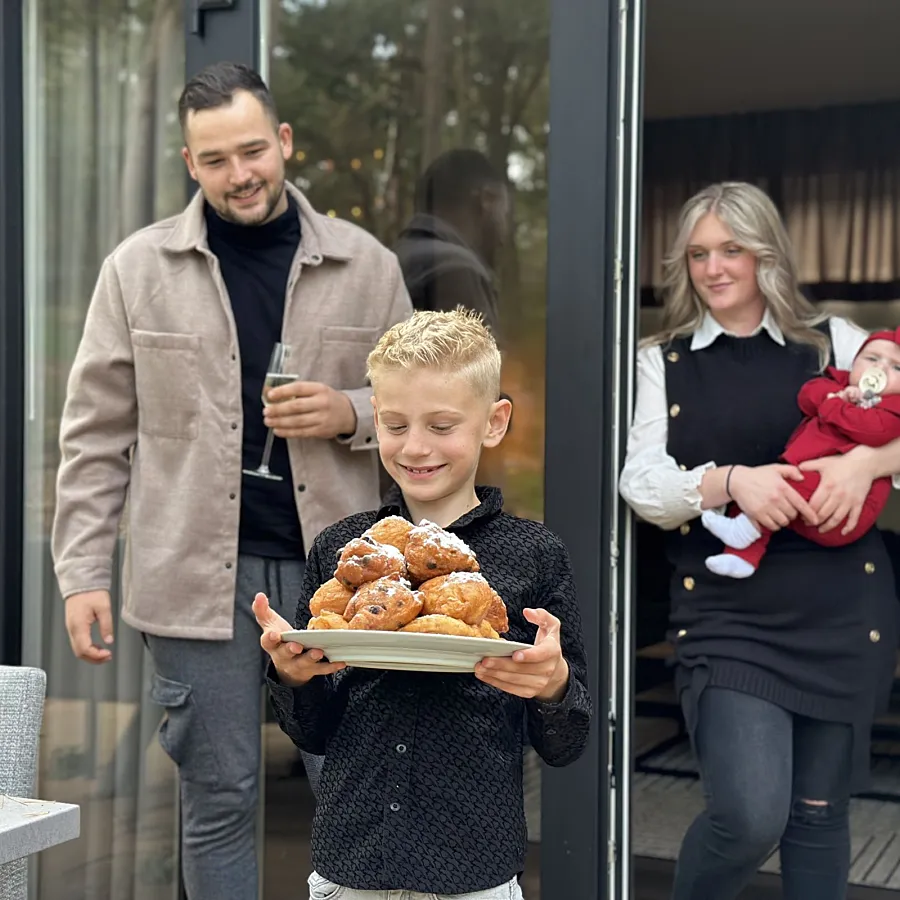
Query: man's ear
{"points": [[498, 422], [286, 140], [186, 156]]}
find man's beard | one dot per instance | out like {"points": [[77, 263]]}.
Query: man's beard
{"points": [[273, 198]]}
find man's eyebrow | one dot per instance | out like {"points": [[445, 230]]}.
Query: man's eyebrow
{"points": [[247, 145]]}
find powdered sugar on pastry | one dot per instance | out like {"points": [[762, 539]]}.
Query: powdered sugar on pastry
{"points": [[390, 550], [441, 539], [466, 577]]}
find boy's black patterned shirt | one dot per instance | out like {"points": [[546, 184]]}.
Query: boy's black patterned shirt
{"points": [[421, 788]]}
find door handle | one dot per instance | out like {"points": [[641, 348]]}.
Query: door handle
{"points": [[203, 6]]}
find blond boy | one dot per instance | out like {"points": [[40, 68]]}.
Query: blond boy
{"points": [[421, 790]]}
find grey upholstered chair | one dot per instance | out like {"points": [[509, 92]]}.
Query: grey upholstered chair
{"points": [[22, 691]]}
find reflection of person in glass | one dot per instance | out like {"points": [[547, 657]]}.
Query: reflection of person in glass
{"points": [[164, 408], [779, 675], [448, 250]]}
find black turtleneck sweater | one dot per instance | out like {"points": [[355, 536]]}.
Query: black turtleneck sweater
{"points": [[255, 262]]}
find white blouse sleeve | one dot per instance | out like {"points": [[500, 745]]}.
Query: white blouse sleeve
{"points": [[651, 482], [846, 339]]}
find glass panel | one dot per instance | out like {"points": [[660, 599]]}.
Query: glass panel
{"points": [[426, 122], [102, 153], [801, 129]]}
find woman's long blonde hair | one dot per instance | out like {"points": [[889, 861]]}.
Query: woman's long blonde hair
{"points": [[757, 227]]}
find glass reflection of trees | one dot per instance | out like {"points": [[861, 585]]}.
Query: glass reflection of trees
{"points": [[375, 90]]}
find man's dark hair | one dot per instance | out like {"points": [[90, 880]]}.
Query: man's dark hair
{"points": [[216, 86], [451, 178]]}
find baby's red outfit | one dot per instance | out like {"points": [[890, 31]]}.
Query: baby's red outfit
{"points": [[834, 426]]}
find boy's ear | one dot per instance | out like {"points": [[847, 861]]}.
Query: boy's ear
{"points": [[498, 423], [375, 407]]}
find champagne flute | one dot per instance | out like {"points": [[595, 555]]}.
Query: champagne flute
{"points": [[277, 374]]}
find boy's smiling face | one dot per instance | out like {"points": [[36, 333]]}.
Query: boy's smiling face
{"points": [[432, 426]]}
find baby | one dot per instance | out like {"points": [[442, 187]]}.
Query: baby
{"points": [[842, 409]]}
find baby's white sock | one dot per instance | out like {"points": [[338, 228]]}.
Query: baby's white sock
{"points": [[729, 565], [738, 532]]}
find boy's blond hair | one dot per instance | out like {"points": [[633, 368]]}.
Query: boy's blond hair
{"points": [[456, 342]]}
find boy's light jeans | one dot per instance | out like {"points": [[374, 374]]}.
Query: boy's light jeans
{"points": [[322, 889]]}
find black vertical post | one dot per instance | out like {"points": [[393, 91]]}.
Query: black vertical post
{"points": [[12, 332], [217, 30], [220, 30], [583, 40]]}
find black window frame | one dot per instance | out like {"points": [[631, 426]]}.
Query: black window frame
{"points": [[12, 331], [579, 496]]}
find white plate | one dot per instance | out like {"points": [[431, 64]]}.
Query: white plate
{"points": [[408, 651]]}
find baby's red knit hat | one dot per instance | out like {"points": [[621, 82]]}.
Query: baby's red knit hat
{"points": [[892, 336]]}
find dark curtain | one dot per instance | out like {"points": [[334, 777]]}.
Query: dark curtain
{"points": [[834, 174]]}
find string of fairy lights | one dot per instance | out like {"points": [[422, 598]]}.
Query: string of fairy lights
{"points": [[328, 165]]}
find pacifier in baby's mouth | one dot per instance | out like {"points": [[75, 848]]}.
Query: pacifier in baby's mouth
{"points": [[872, 382]]}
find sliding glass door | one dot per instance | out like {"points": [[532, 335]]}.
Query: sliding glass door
{"points": [[102, 159]]}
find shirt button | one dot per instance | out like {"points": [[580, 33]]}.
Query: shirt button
{"points": [[674, 409], [368, 440], [395, 807], [301, 488], [228, 565], [870, 568], [233, 357], [683, 468], [688, 583], [685, 529], [672, 357], [232, 496], [874, 636], [401, 748], [234, 426], [682, 633]]}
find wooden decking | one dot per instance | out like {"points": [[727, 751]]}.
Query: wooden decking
{"points": [[664, 806]]}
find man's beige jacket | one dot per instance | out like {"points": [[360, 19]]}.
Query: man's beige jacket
{"points": [[153, 414]]}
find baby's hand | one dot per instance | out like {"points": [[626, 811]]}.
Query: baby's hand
{"points": [[851, 394]]}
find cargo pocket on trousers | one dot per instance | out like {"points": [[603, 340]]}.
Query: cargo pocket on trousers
{"points": [[182, 734]]}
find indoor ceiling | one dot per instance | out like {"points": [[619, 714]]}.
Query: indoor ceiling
{"points": [[706, 57]]}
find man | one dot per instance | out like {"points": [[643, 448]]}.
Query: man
{"points": [[448, 249], [164, 409]]}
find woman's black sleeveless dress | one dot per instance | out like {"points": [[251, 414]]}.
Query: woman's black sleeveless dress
{"points": [[814, 630]]}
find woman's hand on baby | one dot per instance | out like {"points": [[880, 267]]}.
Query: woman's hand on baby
{"points": [[765, 495], [295, 666], [844, 486], [540, 672]]}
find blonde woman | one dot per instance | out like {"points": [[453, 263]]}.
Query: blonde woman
{"points": [[779, 675]]}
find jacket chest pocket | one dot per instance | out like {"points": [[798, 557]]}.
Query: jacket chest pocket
{"points": [[166, 375], [344, 350]]}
